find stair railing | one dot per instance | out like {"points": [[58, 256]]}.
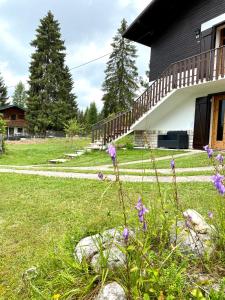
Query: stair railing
{"points": [[203, 67]]}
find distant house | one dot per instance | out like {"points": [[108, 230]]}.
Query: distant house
{"points": [[186, 99], [14, 117]]}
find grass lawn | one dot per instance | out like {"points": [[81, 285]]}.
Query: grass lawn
{"points": [[39, 215], [96, 158], [40, 151], [195, 160]]}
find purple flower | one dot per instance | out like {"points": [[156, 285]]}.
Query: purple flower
{"points": [[139, 204], [112, 153], [208, 150], [172, 164], [142, 210], [141, 213], [126, 233], [218, 183], [100, 176], [220, 158], [210, 214]]}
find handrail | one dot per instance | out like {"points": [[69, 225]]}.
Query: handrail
{"points": [[206, 66]]}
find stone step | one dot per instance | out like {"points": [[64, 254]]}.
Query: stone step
{"points": [[73, 155], [58, 161]]}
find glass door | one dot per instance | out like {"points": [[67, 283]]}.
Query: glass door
{"points": [[218, 128]]}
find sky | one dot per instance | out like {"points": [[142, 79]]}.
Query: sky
{"points": [[87, 27]]}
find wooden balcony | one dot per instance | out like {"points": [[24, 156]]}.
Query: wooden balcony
{"points": [[16, 123], [204, 67]]}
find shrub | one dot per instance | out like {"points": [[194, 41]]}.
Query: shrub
{"points": [[2, 133]]}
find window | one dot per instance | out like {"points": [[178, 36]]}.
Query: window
{"points": [[20, 130], [13, 117]]}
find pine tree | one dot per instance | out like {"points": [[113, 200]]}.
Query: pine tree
{"points": [[121, 75], [86, 115], [3, 93], [80, 117], [92, 114], [51, 102], [20, 95]]}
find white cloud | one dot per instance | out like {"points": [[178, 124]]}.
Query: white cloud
{"points": [[10, 78], [82, 53], [88, 93], [11, 42], [139, 5]]}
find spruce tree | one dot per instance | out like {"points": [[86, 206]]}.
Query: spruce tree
{"points": [[51, 102], [92, 114], [86, 113], [121, 75], [3, 93], [80, 117], [20, 95]]}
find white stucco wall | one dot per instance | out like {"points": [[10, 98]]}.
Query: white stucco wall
{"points": [[178, 116]]}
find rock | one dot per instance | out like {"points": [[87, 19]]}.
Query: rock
{"points": [[30, 273], [113, 236], [194, 235], [87, 247], [198, 223], [111, 291], [112, 257], [58, 161]]}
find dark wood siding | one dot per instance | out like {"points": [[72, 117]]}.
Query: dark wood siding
{"points": [[202, 122], [179, 41]]}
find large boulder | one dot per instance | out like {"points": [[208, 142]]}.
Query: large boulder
{"points": [[194, 234], [112, 258], [111, 291], [90, 246], [87, 247], [197, 222]]}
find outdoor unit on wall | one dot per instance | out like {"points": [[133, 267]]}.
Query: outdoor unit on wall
{"points": [[174, 140]]}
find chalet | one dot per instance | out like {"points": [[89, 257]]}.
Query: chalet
{"points": [[14, 117], [184, 106]]}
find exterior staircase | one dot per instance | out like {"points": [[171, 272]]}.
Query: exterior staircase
{"points": [[194, 70]]}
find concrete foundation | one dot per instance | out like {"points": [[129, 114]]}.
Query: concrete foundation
{"points": [[150, 137]]}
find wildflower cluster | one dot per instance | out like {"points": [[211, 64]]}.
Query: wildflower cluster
{"points": [[220, 158], [112, 153], [142, 210], [217, 179], [208, 150], [218, 183]]}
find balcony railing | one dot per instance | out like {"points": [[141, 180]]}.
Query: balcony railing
{"points": [[204, 67]]}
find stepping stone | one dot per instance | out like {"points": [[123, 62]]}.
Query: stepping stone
{"points": [[58, 161], [72, 155]]}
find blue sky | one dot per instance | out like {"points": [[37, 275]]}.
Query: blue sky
{"points": [[87, 26]]}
